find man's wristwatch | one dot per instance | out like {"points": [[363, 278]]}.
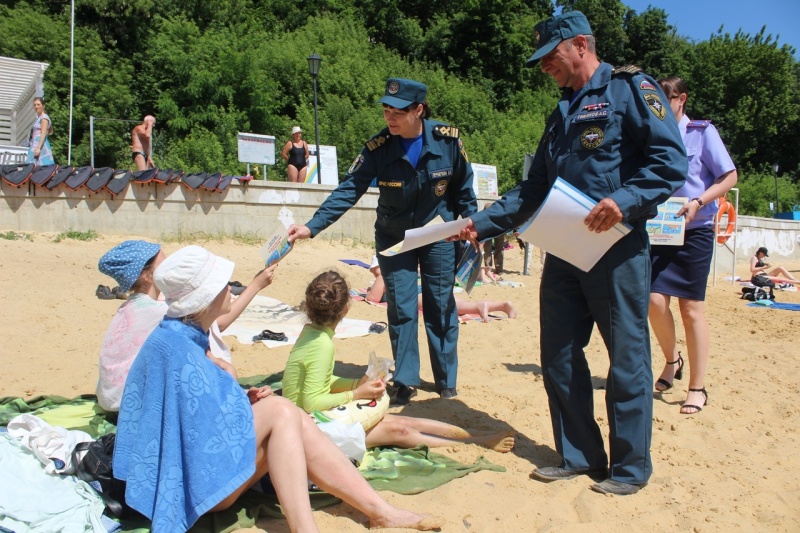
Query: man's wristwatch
{"points": [[700, 202]]}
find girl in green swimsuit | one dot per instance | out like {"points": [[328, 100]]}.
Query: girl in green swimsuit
{"points": [[308, 379]]}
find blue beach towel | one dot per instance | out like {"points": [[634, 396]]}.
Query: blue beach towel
{"points": [[185, 436], [778, 305]]}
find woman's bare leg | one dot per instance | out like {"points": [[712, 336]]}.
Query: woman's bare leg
{"points": [[301, 175], [332, 472], [484, 307], [280, 451], [291, 171], [408, 432], [694, 322], [663, 325]]}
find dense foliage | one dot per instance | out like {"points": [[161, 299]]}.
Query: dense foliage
{"points": [[208, 70]]}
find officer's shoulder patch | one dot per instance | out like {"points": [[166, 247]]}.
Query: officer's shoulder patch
{"points": [[627, 69], [698, 124], [377, 141], [443, 130]]}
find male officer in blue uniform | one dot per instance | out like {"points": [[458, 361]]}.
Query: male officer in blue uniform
{"points": [[613, 138], [422, 172]]}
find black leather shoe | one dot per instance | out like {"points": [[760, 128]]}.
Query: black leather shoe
{"points": [[556, 473], [403, 395], [620, 488], [448, 393]]}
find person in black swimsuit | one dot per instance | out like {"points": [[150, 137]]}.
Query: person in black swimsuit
{"points": [[295, 153], [778, 274]]}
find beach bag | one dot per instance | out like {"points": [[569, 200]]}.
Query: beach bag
{"points": [[754, 294], [96, 466]]}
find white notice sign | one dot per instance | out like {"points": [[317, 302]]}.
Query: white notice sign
{"points": [[259, 149]]}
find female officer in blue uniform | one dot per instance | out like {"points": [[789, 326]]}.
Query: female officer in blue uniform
{"points": [[422, 172]]}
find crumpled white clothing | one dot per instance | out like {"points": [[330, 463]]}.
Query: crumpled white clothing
{"points": [[31, 500], [52, 445]]}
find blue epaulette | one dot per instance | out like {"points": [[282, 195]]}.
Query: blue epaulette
{"points": [[698, 123]]}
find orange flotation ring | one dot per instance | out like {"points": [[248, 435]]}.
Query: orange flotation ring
{"points": [[726, 209]]}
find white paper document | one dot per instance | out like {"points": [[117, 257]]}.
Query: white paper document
{"points": [[432, 232], [557, 228]]}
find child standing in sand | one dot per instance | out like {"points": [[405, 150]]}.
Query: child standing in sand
{"points": [[308, 379]]}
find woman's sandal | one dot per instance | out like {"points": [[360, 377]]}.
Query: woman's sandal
{"points": [[268, 335], [678, 374], [697, 408]]}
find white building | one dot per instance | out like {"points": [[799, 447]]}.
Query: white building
{"points": [[20, 82]]}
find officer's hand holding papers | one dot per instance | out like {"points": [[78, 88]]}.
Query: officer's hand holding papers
{"points": [[434, 231], [560, 225], [276, 247]]}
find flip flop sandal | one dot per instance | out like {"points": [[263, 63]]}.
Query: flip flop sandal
{"points": [[378, 327], [119, 293], [104, 293], [268, 335]]}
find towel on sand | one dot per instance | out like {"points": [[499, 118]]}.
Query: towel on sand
{"points": [[410, 471], [268, 313], [185, 436]]}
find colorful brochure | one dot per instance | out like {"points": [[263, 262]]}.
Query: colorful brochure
{"points": [[668, 229], [276, 246], [469, 266]]}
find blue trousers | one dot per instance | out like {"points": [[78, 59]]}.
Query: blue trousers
{"points": [[614, 294], [437, 266]]}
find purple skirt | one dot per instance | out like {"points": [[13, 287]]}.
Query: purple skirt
{"points": [[682, 271]]}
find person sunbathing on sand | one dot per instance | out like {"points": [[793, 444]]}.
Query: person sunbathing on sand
{"points": [[777, 274], [377, 294], [308, 379], [190, 440]]}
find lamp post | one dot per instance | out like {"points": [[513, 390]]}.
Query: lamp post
{"points": [[775, 168], [314, 62]]}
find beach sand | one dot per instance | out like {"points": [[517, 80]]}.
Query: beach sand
{"points": [[731, 467]]}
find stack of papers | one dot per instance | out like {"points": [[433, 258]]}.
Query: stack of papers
{"points": [[557, 227]]}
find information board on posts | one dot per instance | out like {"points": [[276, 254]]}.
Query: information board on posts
{"points": [[258, 149], [484, 181]]}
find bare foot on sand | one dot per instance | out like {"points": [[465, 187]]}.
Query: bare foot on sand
{"points": [[509, 309], [502, 442], [408, 520]]}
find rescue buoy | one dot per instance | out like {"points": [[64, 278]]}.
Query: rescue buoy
{"points": [[726, 209], [365, 412]]}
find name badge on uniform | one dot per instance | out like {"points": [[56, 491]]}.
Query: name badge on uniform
{"points": [[592, 115], [390, 184], [438, 174]]}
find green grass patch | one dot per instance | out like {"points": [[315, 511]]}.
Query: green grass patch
{"points": [[15, 236], [184, 237], [89, 235]]}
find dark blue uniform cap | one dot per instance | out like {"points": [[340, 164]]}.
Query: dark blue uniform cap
{"points": [[552, 31], [401, 93]]}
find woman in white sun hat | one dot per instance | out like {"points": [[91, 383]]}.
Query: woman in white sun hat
{"points": [[295, 153]]}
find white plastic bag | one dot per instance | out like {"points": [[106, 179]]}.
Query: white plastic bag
{"points": [[350, 438], [379, 368], [52, 445]]}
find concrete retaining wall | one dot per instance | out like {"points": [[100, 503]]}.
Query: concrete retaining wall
{"points": [[157, 211]]}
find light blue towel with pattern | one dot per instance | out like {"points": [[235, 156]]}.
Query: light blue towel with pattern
{"points": [[185, 436]]}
